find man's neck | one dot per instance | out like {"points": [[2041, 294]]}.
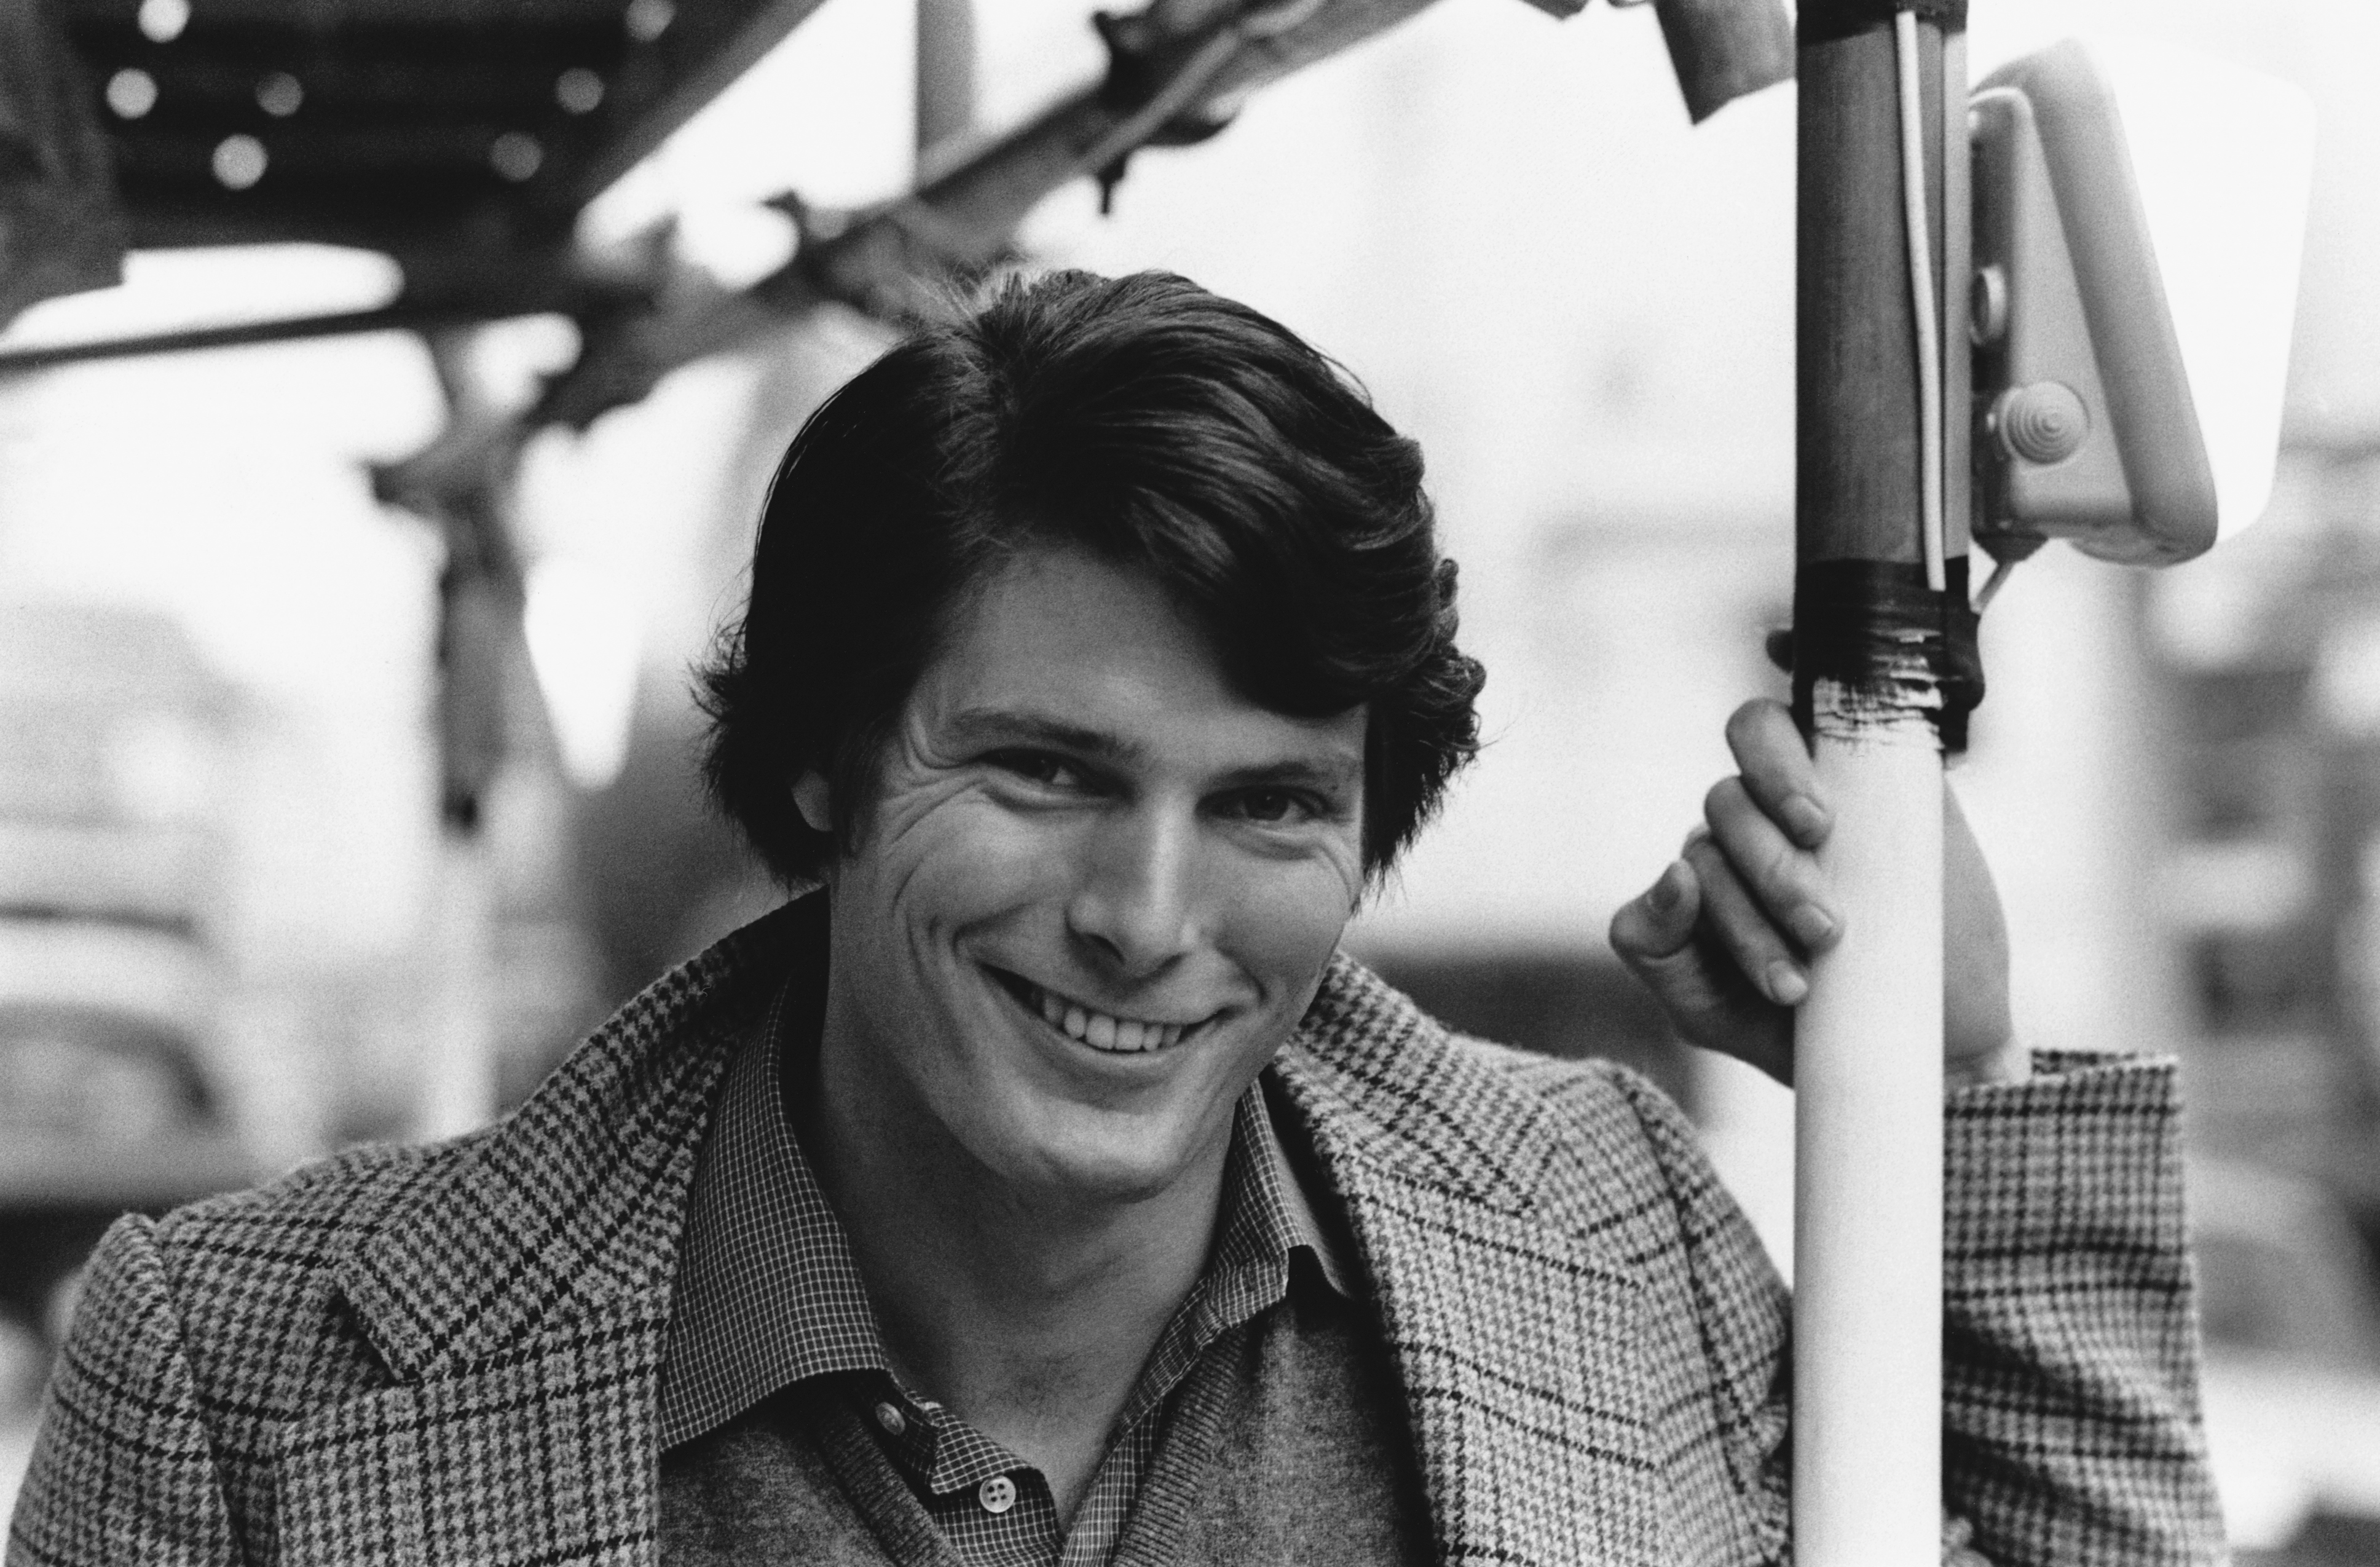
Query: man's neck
{"points": [[1029, 1313]]}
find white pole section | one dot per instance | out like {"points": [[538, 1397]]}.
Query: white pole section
{"points": [[1883, 676], [1867, 1203]]}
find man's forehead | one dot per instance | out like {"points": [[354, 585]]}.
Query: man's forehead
{"points": [[1065, 640]]}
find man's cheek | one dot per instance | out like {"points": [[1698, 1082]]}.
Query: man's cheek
{"points": [[1293, 924], [975, 857]]}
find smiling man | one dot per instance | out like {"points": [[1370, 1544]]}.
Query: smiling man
{"points": [[1100, 889], [1044, 1186]]}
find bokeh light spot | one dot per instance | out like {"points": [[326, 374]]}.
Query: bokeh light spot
{"points": [[131, 94], [516, 156], [239, 162], [161, 21], [579, 90], [280, 96]]}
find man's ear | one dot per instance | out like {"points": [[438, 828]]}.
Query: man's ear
{"points": [[812, 798]]}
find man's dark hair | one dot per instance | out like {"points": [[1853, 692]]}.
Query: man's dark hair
{"points": [[1141, 418]]}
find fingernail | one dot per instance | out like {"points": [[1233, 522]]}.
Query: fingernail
{"points": [[1813, 926], [1671, 890], [1786, 985], [1805, 819]]}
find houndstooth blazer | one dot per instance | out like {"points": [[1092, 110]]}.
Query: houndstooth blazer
{"points": [[451, 1353]]}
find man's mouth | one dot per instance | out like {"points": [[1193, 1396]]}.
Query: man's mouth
{"points": [[1101, 1030]]}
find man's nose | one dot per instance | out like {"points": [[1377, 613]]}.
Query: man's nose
{"points": [[1138, 900]]}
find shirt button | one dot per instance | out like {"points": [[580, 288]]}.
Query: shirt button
{"points": [[997, 1494], [889, 1416]]}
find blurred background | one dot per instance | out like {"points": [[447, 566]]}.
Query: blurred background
{"points": [[345, 766]]}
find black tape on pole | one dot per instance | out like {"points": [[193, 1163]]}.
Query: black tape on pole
{"points": [[1896, 646], [1819, 20]]}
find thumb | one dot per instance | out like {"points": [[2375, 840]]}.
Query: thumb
{"points": [[1659, 922]]}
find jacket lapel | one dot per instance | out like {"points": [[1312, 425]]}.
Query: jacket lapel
{"points": [[1514, 1321], [520, 1298]]}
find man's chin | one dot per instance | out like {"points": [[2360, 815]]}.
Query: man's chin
{"points": [[1117, 1160]]}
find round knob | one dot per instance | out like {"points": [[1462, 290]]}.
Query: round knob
{"points": [[2042, 423]]}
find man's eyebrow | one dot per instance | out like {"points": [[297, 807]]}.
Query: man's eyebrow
{"points": [[1021, 726], [1341, 772], [983, 727]]}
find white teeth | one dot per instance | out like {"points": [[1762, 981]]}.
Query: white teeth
{"points": [[1101, 1031]]}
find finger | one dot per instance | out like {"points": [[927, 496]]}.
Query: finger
{"points": [[1698, 984], [1693, 978], [1731, 915], [1776, 769], [1781, 875], [1659, 921]]}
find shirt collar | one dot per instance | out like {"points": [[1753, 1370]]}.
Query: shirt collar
{"points": [[769, 1292], [1270, 1197]]}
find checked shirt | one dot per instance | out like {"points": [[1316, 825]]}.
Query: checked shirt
{"points": [[769, 1297]]}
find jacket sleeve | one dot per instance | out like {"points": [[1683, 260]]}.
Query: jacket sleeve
{"points": [[2072, 1431], [123, 1470], [2071, 1425]]}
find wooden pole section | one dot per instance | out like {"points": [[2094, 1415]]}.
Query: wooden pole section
{"points": [[1877, 688]]}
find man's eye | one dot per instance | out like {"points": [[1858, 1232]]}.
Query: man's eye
{"points": [[1273, 807], [1040, 767]]}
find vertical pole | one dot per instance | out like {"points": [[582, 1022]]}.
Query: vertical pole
{"points": [[478, 654], [458, 1046], [1877, 693]]}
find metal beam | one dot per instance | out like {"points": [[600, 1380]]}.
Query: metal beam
{"points": [[704, 48]]}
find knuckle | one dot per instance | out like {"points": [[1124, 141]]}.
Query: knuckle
{"points": [[1755, 943], [1746, 932], [1779, 871]]}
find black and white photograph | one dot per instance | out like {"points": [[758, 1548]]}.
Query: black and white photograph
{"points": [[1357, 783]]}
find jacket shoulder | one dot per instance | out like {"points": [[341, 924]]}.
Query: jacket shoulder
{"points": [[1627, 1132], [1616, 1110], [333, 1194], [250, 1274], [196, 1338], [304, 1216]]}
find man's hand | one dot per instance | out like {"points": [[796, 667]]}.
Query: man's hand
{"points": [[1724, 937]]}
